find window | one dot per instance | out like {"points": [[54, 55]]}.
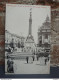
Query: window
{"points": [[46, 36]]}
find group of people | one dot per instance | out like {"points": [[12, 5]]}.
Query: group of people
{"points": [[32, 59], [10, 68], [44, 59]]}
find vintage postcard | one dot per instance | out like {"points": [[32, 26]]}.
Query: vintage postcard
{"points": [[54, 9], [27, 39]]}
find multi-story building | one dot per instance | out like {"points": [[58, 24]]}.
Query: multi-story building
{"points": [[17, 41], [44, 34]]}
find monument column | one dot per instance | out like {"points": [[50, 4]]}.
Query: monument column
{"points": [[29, 43], [30, 23]]}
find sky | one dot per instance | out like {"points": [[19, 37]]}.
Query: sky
{"points": [[17, 18]]}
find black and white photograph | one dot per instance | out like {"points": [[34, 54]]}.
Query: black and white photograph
{"points": [[27, 39]]}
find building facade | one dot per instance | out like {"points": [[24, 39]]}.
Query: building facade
{"points": [[44, 34], [17, 41]]}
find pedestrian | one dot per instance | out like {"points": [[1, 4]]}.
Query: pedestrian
{"points": [[37, 57], [8, 65], [11, 67], [7, 56], [15, 67], [27, 59], [48, 58], [33, 58], [9, 49], [45, 61]]}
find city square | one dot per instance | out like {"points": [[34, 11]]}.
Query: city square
{"points": [[28, 53], [21, 66]]}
